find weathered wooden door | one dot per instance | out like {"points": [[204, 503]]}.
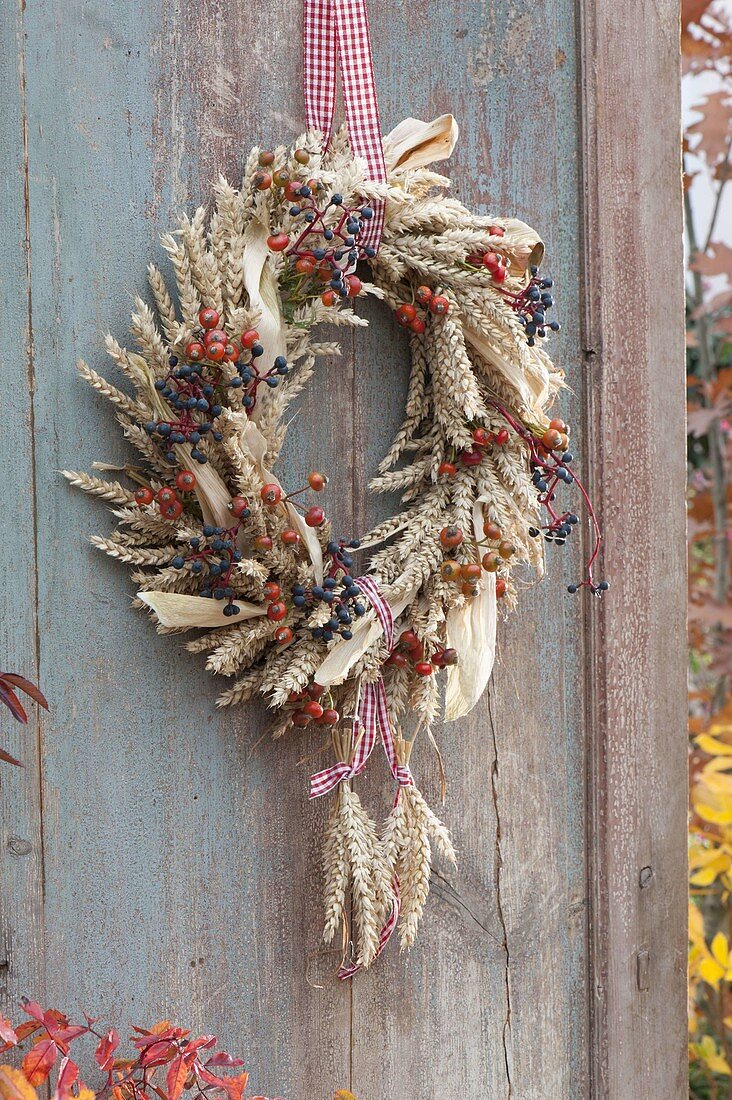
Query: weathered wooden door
{"points": [[159, 857]]}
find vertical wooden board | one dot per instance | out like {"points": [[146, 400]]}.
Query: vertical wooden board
{"points": [[179, 843], [21, 855], [635, 336], [179, 848], [493, 997]]}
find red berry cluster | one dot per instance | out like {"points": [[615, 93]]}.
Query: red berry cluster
{"points": [[273, 495], [307, 707], [409, 650], [408, 316], [494, 262], [468, 572], [531, 303], [483, 442], [325, 251], [214, 344], [169, 503]]}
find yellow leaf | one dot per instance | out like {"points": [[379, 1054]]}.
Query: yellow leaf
{"points": [[708, 813], [713, 746], [707, 875], [14, 1085], [716, 1061], [711, 972], [696, 923], [720, 949], [344, 1094]]}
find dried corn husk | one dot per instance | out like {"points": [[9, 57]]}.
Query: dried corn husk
{"points": [[344, 654], [414, 144], [262, 287], [185, 612]]}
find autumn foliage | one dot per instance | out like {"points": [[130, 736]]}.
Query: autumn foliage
{"points": [[165, 1061], [707, 55]]}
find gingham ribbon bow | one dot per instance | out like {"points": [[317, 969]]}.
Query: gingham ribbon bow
{"points": [[373, 709], [323, 782], [372, 715], [337, 32]]}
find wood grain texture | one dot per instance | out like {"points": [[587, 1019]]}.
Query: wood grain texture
{"points": [[172, 833], [637, 692], [22, 954]]}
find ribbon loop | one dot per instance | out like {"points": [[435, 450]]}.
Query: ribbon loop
{"points": [[323, 782], [337, 32]]}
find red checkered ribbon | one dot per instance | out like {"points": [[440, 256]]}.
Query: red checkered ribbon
{"points": [[323, 782], [347, 970], [373, 709], [337, 31]]}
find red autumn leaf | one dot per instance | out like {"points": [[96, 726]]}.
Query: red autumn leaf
{"points": [[203, 1042], [175, 1078], [717, 260], [9, 759], [39, 1061], [67, 1075], [693, 10], [32, 1008], [13, 703], [106, 1048], [26, 1029], [699, 421], [232, 1086], [67, 1034], [157, 1053], [27, 686], [7, 1032], [221, 1058]]}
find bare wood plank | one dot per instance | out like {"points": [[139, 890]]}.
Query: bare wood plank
{"points": [[21, 845], [635, 348]]}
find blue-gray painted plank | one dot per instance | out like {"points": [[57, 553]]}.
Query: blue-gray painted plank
{"points": [[174, 838], [21, 855]]}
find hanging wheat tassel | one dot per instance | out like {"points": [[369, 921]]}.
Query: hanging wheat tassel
{"points": [[407, 833]]}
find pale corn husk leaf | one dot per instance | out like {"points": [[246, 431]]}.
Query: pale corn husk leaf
{"points": [[262, 288], [525, 248], [345, 653], [213, 496], [471, 630], [185, 612], [415, 144]]}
